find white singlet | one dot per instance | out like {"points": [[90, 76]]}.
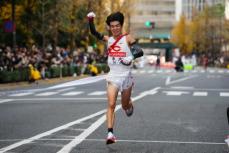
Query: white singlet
{"points": [[120, 74]]}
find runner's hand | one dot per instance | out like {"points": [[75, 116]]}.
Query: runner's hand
{"points": [[91, 16]]}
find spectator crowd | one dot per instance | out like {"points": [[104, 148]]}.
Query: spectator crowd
{"points": [[22, 57]]}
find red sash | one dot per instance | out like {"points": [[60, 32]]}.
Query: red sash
{"points": [[112, 47]]}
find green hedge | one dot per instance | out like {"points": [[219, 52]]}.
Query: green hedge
{"points": [[53, 72]]}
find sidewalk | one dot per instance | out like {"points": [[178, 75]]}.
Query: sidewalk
{"points": [[39, 83]]}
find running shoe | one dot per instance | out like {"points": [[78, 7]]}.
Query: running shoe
{"points": [[110, 138], [130, 111]]}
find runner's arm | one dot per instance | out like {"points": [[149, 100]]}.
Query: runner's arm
{"points": [[93, 30]]}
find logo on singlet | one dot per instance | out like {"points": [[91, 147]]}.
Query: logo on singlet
{"points": [[116, 52]]}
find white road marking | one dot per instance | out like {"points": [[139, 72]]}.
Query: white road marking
{"points": [[29, 140], [202, 71], [58, 99], [21, 94], [212, 71], [200, 94], [186, 71], [182, 87], [159, 71], [83, 81], [224, 94], [65, 89], [153, 92], [134, 71], [168, 71], [78, 139], [5, 100], [151, 71], [167, 142], [135, 141], [175, 93], [168, 79], [73, 93], [97, 93], [195, 71], [169, 82], [47, 93], [142, 71], [221, 71], [203, 89]]}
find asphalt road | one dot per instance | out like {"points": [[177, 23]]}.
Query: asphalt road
{"points": [[174, 113]]}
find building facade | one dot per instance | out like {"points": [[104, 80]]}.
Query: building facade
{"points": [[159, 12], [164, 14], [188, 7]]}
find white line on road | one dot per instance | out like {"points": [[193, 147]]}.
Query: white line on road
{"points": [[26, 141], [21, 94], [168, 79], [200, 94], [5, 100], [206, 89], [169, 82], [182, 87], [97, 93], [83, 81], [78, 139], [82, 136], [224, 94], [175, 93], [65, 89], [135, 141], [47, 93], [57, 99], [168, 142], [73, 93]]}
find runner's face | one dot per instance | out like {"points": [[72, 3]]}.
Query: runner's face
{"points": [[116, 28]]}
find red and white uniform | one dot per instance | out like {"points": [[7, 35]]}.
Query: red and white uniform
{"points": [[119, 74]]}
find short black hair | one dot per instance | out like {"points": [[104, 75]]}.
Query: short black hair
{"points": [[117, 16]]}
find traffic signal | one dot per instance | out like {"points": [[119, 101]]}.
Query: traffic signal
{"points": [[150, 24]]}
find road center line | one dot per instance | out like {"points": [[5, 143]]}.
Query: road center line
{"points": [[78, 139]]}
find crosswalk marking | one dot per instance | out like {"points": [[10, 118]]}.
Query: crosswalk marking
{"points": [[97, 93], [202, 71], [73, 93], [151, 71], [46, 93], [175, 93], [200, 94], [220, 71], [211, 71], [65, 89], [224, 94], [142, 71], [180, 92], [21, 94]]}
